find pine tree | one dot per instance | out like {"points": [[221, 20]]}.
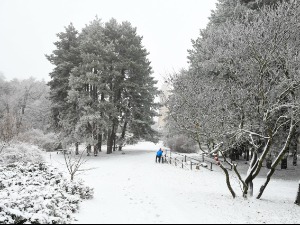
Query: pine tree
{"points": [[64, 58], [110, 91], [134, 87], [89, 89]]}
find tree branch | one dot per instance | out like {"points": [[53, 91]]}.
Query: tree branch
{"points": [[255, 134]]}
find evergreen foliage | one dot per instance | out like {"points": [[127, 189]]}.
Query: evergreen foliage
{"points": [[64, 58], [102, 87]]}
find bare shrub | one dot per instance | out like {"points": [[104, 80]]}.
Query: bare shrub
{"points": [[74, 163]]}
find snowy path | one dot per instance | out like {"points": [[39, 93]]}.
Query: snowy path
{"points": [[131, 188]]}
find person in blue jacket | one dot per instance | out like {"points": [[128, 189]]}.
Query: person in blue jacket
{"points": [[159, 155]]}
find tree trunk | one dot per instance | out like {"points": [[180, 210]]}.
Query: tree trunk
{"points": [[123, 135], [200, 147], [297, 202], [112, 130], [240, 178], [100, 136], [249, 180], [96, 150], [109, 144], [110, 141], [263, 157], [255, 166], [94, 131], [278, 160], [251, 188], [99, 142], [228, 181], [89, 149], [114, 142], [248, 154], [263, 188], [77, 148]]}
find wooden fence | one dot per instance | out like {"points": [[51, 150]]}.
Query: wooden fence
{"points": [[190, 163]]}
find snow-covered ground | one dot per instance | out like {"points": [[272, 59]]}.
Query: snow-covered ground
{"points": [[132, 188]]}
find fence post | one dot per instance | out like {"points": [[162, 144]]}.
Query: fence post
{"points": [[185, 158], [211, 166], [182, 164], [203, 158]]}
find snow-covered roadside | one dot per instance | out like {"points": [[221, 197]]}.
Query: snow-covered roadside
{"points": [[32, 192], [131, 188]]}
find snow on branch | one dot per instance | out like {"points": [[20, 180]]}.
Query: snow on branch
{"points": [[254, 134]]}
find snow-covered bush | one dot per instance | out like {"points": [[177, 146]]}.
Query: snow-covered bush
{"points": [[47, 142], [78, 188], [38, 194], [21, 153]]}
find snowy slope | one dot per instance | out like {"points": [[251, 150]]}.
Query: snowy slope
{"points": [[131, 188]]}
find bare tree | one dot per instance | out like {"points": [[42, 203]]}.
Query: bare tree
{"points": [[74, 163], [243, 86]]}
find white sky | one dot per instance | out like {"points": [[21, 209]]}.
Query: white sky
{"points": [[28, 29]]}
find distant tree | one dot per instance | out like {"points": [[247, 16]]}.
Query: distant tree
{"points": [[24, 105], [38, 115]]}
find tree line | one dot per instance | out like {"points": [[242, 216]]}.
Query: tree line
{"points": [[241, 90], [24, 105], [102, 90]]}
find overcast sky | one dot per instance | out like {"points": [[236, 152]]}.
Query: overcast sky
{"points": [[28, 29]]}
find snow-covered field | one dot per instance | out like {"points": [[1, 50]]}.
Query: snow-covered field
{"points": [[132, 188]]}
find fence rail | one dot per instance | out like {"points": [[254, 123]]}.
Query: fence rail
{"points": [[186, 162]]}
